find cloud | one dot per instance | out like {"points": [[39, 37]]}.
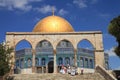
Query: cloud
{"points": [[17, 4], [62, 12], [80, 3], [84, 3], [45, 9], [48, 8], [110, 52]]}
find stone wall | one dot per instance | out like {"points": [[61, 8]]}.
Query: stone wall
{"points": [[104, 73], [94, 37]]}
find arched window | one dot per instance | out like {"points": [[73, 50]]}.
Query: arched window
{"points": [[22, 63], [36, 61], [67, 61], [86, 63], [29, 62], [60, 61], [43, 61], [81, 62], [91, 63]]}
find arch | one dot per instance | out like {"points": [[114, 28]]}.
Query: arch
{"points": [[64, 40], [44, 46], [23, 40], [88, 41], [44, 40], [67, 61], [85, 50], [23, 50], [50, 67], [64, 46]]}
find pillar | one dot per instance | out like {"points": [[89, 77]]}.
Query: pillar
{"points": [[75, 57], [33, 60], [12, 61], [55, 66], [99, 58], [46, 68]]}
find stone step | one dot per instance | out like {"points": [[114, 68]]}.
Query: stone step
{"points": [[94, 76]]}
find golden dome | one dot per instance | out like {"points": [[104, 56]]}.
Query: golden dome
{"points": [[53, 24]]}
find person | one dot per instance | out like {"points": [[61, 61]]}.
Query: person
{"points": [[82, 71], [62, 71], [68, 70]]}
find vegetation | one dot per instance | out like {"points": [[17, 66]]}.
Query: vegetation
{"points": [[114, 29], [5, 58]]}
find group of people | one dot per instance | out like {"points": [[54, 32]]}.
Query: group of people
{"points": [[70, 70]]}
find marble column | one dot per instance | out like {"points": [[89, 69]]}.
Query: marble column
{"points": [[55, 64], [75, 57], [12, 61], [33, 60]]}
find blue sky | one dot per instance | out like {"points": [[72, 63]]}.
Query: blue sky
{"points": [[84, 15]]}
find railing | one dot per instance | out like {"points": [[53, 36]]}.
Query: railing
{"points": [[104, 73]]}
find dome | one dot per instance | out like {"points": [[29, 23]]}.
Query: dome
{"points": [[53, 24]]}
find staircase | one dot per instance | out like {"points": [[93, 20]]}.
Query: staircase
{"points": [[47, 76]]}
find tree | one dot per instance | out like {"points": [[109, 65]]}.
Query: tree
{"points": [[5, 58], [114, 29]]}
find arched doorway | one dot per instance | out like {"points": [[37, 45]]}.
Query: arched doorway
{"points": [[50, 67]]}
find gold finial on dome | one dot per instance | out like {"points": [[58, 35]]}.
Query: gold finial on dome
{"points": [[53, 11]]}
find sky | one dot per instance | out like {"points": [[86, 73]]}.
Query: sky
{"points": [[83, 15]]}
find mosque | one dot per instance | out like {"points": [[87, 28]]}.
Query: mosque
{"points": [[55, 43]]}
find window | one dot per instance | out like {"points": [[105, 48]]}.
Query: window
{"points": [[81, 62], [67, 60], [43, 61], [29, 62], [91, 63], [36, 61], [60, 61], [86, 63], [22, 63]]}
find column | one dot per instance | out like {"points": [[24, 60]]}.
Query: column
{"points": [[12, 62], [99, 58], [55, 66], [33, 60], [75, 57], [63, 60], [39, 61], [70, 61]]}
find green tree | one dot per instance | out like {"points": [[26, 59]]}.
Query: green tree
{"points": [[5, 58], [114, 29]]}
